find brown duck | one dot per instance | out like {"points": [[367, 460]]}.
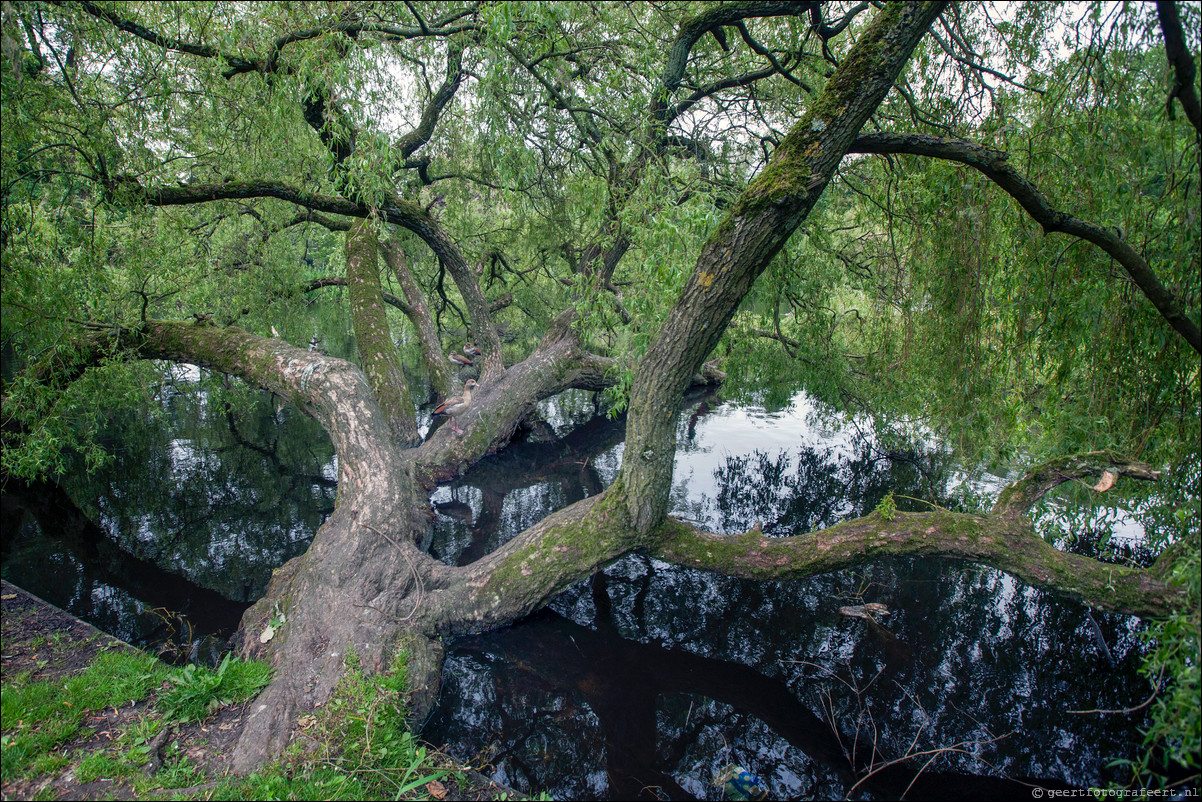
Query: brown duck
{"points": [[456, 405]]}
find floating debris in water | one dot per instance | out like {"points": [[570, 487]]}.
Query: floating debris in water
{"points": [[870, 611], [740, 785]]}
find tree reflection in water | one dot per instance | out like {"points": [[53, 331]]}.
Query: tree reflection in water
{"points": [[190, 517], [648, 676], [649, 679]]}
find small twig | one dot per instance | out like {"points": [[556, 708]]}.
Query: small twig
{"points": [[824, 670], [956, 747], [1129, 710], [922, 501], [417, 579], [917, 775]]}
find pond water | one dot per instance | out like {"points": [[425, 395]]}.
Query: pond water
{"points": [[647, 680]]}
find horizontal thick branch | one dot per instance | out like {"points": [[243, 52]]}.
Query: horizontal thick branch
{"points": [[1003, 539], [993, 164], [1008, 544], [331, 390], [1016, 499]]}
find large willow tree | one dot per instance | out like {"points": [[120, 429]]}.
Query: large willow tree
{"points": [[179, 178]]}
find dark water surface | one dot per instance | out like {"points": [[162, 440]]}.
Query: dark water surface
{"points": [[649, 679]]}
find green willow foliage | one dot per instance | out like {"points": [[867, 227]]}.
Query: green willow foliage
{"points": [[944, 300], [917, 291]]}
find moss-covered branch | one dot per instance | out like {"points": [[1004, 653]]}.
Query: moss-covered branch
{"points": [[372, 335], [499, 405], [760, 222], [1006, 544], [1016, 499], [1003, 539], [526, 572]]}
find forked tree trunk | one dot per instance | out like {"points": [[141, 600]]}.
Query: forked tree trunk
{"points": [[364, 584]]}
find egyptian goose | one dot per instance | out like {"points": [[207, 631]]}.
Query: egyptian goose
{"points": [[456, 405], [471, 350], [461, 361]]}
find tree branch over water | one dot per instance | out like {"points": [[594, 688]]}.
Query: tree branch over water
{"points": [[993, 164], [1004, 539]]}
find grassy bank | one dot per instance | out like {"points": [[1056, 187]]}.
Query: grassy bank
{"points": [[88, 717]]}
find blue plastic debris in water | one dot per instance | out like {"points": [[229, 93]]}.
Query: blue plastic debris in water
{"points": [[740, 785]]}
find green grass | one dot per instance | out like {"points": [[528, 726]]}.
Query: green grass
{"points": [[41, 715], [177, 771], [197, 691], [359, 748], [102, 765]]}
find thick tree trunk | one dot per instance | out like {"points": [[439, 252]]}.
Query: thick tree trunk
{"points": [[364, 585], [418, 312], [763, 219], [372, 335], [361, 578]]}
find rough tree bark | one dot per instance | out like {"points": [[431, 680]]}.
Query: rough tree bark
{"points": [[372, 335], [364, 583], [766, 214], [418, 312], [1182, 62]]}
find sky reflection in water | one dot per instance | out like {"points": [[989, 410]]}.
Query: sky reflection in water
{"points": [[649, 679], [648, 675]]}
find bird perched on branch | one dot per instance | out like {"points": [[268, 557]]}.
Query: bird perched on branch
{"points": [[471, 350], [457, 405], [460, 360]]}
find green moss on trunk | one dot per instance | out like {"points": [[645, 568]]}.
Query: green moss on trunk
{"points": [[372, 334]]}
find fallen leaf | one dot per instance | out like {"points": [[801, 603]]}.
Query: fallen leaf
{"points": [[8, 596], [267, 635], [1106, 482], [436, 789]]}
